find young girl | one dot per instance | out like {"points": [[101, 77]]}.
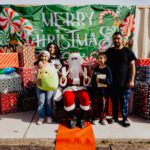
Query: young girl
{"points": [[44, 96], [101, 80]]}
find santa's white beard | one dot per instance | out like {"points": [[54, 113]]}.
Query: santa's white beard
{"points": [[75, 69]]}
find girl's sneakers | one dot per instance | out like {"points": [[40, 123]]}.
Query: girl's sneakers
{"points": [[103, 121], [95, 122], [49, 120], [40, 121]]}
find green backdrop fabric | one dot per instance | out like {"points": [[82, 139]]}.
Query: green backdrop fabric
{"points": [[85, 29]]}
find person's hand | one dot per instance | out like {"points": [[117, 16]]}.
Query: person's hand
{"points": [[130, 84], [34, 81], [97, 80], [58, 66], [63, 79], [39, 82], [86, 79]]}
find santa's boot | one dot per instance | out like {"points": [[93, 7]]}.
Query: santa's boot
{"points": [[81, 118], [71, 123]]}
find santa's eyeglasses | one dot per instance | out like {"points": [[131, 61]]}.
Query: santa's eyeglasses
{"points": [[74, 58]]}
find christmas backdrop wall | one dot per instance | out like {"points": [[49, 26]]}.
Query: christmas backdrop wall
{"points": [[86, 29]]}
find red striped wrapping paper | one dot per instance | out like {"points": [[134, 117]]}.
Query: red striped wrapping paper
{"points": [[9, 60]]}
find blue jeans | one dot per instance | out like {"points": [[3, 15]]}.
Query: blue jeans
{"points": [[120, 96], [44, 102]]}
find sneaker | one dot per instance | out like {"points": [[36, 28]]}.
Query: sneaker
{"points": [[94, 122], [103, 121], [112, 120], [49, 120], [71, 124], [81, 124], [125, 123], [40, 121]]}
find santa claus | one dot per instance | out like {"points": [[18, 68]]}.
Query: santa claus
{"points": [[75, 79]]}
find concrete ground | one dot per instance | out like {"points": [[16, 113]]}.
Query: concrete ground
{"points": [[19, 130]]}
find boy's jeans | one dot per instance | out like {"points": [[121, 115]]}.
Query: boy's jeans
{"points": [[44, 102]]}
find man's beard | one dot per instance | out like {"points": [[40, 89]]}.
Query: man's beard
{"points": [[75, 68], [117, 45]]}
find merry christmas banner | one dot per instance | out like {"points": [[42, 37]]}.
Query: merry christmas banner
{"points": [[85, 29]]}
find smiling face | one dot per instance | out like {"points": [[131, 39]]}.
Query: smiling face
{"points": [[52, 49], [118, 41], [43, 57], [102, 59]]}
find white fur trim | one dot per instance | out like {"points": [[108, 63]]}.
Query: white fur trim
{"points": [[89, 81], [72, 107], [73, 55], [74, 88], [64, 75], [58, 95], [65, 82], [84, 107]]}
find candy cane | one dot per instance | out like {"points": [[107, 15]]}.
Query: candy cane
{"points": [[101, 16]]}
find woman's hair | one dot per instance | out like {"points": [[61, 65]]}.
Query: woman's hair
{"points": [[57, 50]]}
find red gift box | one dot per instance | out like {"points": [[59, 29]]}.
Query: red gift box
{"points": [[26, 76], [143, 62], [27, 57], [8, 103], [27, 99]]}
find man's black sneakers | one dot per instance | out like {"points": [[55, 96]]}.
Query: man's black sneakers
{"points": [[112, 120], [125, 123], [71, 123], [81, 124]]}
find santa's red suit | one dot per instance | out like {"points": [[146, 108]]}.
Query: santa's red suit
{"points": [[75, 79]]}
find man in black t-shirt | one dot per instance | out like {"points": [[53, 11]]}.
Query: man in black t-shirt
{"points": [[121, 61]]}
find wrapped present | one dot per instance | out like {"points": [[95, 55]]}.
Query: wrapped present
{"points": [[27, 99], [27, 57], [143, 73], [143, 62], [10, 82], [8, 103], [26, 76], [9, 60], [142, 99]]}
